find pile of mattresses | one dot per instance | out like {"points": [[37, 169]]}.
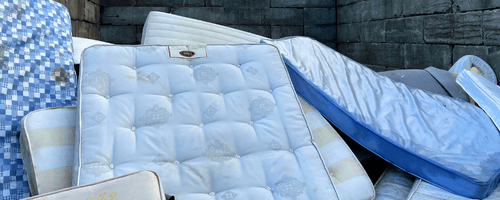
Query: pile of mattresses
{"points": [[216, 114]]}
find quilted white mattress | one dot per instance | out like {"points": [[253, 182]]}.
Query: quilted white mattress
{"points": [[226, 125]]}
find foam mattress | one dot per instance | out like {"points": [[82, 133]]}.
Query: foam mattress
{"points": [[450, 143], [217, 121]]}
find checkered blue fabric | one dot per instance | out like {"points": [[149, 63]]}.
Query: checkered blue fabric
{"points": [[37, 72]]}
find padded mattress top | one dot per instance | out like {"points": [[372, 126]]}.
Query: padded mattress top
{"points": [[224, 124]]}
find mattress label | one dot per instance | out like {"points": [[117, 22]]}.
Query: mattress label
{"points": [[188, 52]]}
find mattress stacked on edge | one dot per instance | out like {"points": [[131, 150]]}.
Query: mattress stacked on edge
{"points": [[214, 122], [36, 72], [349, 177], [449, 143]]}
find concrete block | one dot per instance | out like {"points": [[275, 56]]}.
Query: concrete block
{"points": [[468, 5], [74, 8], [303, 3], [259, 30], [92, 12], [97, 2], [331, 45], [377, 68], [239, 4], [425, 7], [381, 54], [170, 3], [459, 28], [321, 33], [139, 34], [490, 54], [405, 30], [83, 29], [74, 27], [319, 16], [420, 56], [119, 34], [118, 3], [349, 32], [272, 16], [127, 15], [345, 2], [373, 31], [491, 27], [386, 9], [357, 12], [225, 16], [285, 31]]}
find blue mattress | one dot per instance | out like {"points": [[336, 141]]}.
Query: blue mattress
{"points": [[36, 72], [448, 142]]}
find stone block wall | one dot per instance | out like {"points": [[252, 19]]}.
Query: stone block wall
{"points": [[85, 17], [401, 34], [122, 20]]}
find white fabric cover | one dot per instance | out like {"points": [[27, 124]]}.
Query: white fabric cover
{"points": [[393, 184], [169, 29], [47, 144], [468, 61], [80, 44], [144, 185], [225, 126], [349, 177], [422, 190], [484, 92]]}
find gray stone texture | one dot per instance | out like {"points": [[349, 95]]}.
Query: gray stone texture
{"points": [[415, 7], [319, 16], [219, 15], [127, 15], [381, 54], [285, 31], [118, 2], [405, 30], [345, 2], [385, 9], [239, 4], [258, 30], [420, 56], [357, 12], [190, 3], [272, 16], [349, 33], [119, 34], [373, 31], [468, 5], [321, 33], [460, 28], [490, 54], [91, 12], [491, 27], [302, 3]]}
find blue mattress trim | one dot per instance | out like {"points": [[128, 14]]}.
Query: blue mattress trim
{"points": [[421, 167]]}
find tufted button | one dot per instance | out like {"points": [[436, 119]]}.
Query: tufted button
{"points": [[331, 174], [236, 156], [177, 162], [170, 95], [111, 166], [270, 91], [133, 128], [211, 193], [201, 125], [238, 65], [250, 123], [220, 94], [268, 188], [107, 96], [190, 66], [134, 68], [290, 150]]}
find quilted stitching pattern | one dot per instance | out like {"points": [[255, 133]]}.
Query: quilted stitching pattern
{"points": [[204, 125], [36, 72]]}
